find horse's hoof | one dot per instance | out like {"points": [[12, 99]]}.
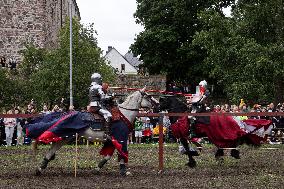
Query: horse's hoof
{"points": [[236, 157], [193, 153], [191, 164], [122, 174], [235, 154], [219, 153], [122, 170], [97, 171], [52, 157], [38, 172]]}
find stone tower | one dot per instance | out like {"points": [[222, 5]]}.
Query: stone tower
{"points": [[31, 21]]}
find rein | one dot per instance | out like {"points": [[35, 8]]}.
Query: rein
{"points": [[130, 109], [137, 109]]}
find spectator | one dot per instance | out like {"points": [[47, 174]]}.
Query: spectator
{"points": [[19, 129], [130, 138], [147, 130], [156, 133], [2, 130], [56, 108], [217, 108], [256, 108], [45, 110], [138, 130], [243, 109], [226, 108], [10, 124]]}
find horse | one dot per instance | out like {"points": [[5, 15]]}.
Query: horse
{"points": [[222, 131], [85, 125]]}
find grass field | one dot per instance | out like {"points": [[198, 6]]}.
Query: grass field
{"points": [[258, 168]]}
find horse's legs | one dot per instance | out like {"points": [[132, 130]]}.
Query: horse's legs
{"points": [[102, 163], [122, 167], [219, 155], [49, 156], [191, 160], [235, 153]]}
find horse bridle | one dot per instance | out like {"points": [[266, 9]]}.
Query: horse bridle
{"points": [[183, 104], [144, 95]]}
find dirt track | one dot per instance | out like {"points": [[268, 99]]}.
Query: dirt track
{"points": [[258, 168]]}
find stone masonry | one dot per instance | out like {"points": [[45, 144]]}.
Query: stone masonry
{"points": [[153, 82], [31, 21]]}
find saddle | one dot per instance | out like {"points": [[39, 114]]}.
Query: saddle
{"points": [[99, 121]]}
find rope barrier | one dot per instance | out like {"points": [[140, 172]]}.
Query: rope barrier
{"points": [[269, 114], [160, 115], [263, 114], [153, 91]]}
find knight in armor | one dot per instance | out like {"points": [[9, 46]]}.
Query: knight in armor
{"points": [[99, 100], [197, 107], [199, 98], [203, 91]]}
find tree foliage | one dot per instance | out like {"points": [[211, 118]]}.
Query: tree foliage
{"points": [[166, 44], [242, 55], [243, 59], [47, 70]]}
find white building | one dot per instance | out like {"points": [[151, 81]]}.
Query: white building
{"points": [[119, 62]]}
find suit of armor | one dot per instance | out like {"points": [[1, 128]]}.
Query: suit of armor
{"points": [[202, 94], [98, 98]]}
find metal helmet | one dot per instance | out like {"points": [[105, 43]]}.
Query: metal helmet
{"points": [[203, 84], [96, 77]]}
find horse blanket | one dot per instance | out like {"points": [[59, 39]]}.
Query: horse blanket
{"points": [[57, 126], [226, 131]]}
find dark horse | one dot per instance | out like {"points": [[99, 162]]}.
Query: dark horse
{"points": [[222, 131]]}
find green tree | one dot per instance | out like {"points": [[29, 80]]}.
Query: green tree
{"points": [[263, 21], [165, 46], [49, 79], [242, 56]]}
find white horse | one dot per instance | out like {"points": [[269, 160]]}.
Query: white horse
{"points": [[129, 109]]}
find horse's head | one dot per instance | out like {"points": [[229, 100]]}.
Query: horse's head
{"points": [[164, 103], [147, 101], [139, 99], [172, 103]]}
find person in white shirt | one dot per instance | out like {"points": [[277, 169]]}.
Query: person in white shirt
{"points": [[10, 124]]}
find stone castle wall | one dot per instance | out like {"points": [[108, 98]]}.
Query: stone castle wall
{"points": [[31, 21], [153, 82]]}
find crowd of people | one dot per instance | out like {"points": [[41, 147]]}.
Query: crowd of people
{"points": [[146, 129], [277, 133], [11, 129], [11, 63]]}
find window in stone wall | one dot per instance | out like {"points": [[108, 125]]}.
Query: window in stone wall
{"points": [[3, 62], [12, 63], [122, 68]]}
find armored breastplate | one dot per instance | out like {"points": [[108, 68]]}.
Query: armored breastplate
{"points": [[94, 94]]}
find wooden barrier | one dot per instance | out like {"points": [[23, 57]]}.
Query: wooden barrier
{"points": [[161, 116]]}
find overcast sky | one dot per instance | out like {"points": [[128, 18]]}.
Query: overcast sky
{"points": [[113, 20]]}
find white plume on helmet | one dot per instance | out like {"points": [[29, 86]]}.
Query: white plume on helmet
{"points": [[203, 83]]}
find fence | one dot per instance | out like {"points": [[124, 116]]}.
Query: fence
{"points": [[161, 116]]}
